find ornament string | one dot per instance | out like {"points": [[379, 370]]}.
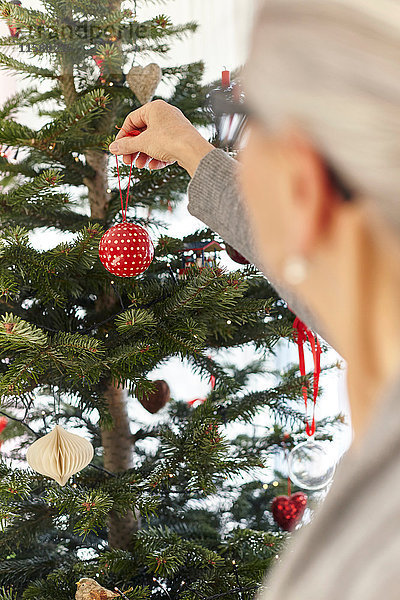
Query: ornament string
{"points": [[124, 208], [289, 481], [202, 400], [302, 335]]}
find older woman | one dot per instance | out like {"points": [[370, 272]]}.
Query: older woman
{"points": [[315, 203]]}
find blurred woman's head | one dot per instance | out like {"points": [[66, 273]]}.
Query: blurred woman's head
{"points": [[321, 170]]}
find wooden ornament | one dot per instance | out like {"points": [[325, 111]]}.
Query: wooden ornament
{"points": [[59, 454], [156, 400], [144, 81], [89, 589]]}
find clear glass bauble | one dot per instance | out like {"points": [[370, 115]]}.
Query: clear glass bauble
{"points": [[229, 127], [311, 465]]}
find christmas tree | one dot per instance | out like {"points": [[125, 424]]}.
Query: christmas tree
{"points": [[167, 519]]}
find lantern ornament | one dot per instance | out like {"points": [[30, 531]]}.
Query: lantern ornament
{"points": [[200, 254]]}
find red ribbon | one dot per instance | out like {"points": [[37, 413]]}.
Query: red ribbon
{"points": [[3, 424], [302, 335], [202, 400], [124, 209]]}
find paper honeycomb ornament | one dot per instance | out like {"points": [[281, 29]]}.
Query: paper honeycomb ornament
{"points": [[126, 250], [59, 454]]}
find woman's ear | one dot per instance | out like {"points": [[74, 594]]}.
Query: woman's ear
{"points": [[312, 198]]}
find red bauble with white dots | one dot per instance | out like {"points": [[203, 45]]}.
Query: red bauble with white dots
{"points": [[126, 250]]}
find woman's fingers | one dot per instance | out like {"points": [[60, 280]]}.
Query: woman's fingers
{"points": [[157, 164], [127, 145], [135, 120], [127, 158], [141, 160], [165, 136]]}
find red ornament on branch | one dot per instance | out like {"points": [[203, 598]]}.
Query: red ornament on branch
{"points": [[162, 21], [14, 31], [126, 250], [288, 510]]}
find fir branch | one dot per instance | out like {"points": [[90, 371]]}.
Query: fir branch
{"points": [[22, 422], [7, 594], [11, 64], [15, 102], [15, 134]]}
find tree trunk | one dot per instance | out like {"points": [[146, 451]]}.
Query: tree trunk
{"points": [[97, 185], [117, 453], [117, 442]]}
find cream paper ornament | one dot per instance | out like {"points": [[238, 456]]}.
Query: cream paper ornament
{"points": [[59, 454], [144, 81]]}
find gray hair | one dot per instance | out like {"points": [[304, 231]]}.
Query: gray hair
{"points": [[333, 68]]}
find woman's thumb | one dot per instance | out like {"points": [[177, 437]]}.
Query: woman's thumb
{"points": [[129, 145]]}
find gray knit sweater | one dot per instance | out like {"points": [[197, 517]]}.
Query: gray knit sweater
{"points": [[351, 550]]}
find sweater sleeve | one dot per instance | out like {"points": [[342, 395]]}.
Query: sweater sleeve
{"points": [[214, 199]]}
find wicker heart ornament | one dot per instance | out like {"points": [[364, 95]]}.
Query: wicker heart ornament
{"points": [[144, 81]]}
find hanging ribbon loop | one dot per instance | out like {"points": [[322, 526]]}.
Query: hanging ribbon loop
{"points": [[124, 209], [302, 335]]}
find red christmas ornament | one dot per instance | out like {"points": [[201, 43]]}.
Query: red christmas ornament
{"points": [[162, 21], [126, 250], [288, 510], [235, 255], [14, 31]]}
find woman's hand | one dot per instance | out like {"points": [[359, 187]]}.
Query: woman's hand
{"points": [[166, 136]]}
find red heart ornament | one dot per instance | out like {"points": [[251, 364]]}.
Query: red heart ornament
{"points": [[288, 510], [126, 250]]}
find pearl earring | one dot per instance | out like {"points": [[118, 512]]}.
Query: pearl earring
{"points": [[295, 269]]}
